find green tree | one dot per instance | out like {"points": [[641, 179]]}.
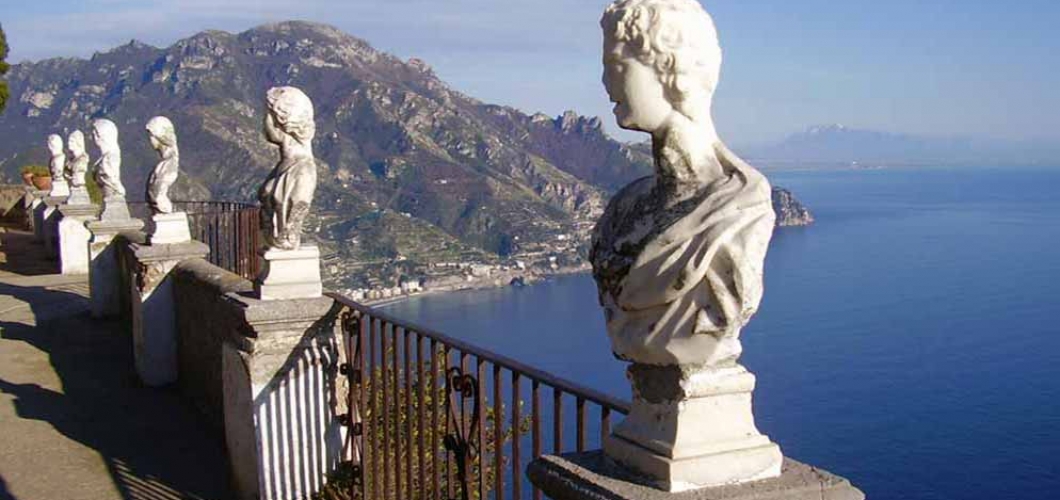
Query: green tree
{"points": [[3, 69]]}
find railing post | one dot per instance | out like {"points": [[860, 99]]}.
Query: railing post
{"points": [[279, 350]]}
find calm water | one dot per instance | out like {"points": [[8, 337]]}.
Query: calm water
{"points": [[908, 341]]}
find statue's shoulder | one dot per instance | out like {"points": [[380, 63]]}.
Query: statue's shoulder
{"points": [[753, 178], [627, 197]]}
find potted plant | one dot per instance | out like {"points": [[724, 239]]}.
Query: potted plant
{"points": [[39, 176]]}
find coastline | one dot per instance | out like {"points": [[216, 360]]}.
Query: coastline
{"points": [[483, 283]]}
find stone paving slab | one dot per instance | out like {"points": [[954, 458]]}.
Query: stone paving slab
{"points": [[75, 423]]}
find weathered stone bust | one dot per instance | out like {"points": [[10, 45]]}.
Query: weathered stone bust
{"points": [[288, 191], [57, 164], [677, 256], [163, 139], [77, 167], [78, 159], [108, 166]]}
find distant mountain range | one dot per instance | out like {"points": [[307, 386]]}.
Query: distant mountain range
{"points": [[836, 144], [409, 169]]}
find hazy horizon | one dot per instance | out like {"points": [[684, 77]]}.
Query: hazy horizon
{"points": [[984, 73]]}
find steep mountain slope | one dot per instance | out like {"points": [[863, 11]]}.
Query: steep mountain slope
{"points": [[408, 168], [390, 134]]}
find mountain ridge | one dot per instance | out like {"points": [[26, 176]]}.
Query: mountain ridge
{"points": [[839, 144], [433, 173]]}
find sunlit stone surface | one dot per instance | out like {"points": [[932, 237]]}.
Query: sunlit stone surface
{"points": [[678, 258], [290, 269], [77, 168], [167, 226], [57, 166], [108, 170]]}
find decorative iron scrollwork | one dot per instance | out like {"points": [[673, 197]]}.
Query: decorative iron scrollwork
{"points": [[461, 387], [350, 322]]}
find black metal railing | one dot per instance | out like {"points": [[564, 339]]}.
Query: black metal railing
{"points": [[229, 228], [433, 417]]}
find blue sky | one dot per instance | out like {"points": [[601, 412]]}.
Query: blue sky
{"points": [[945, 68]]}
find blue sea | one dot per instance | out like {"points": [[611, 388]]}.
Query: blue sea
{"points": [[908, 341]]}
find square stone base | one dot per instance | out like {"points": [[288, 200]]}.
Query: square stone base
{"points": [[59, 188], [154, 315], [692, 427], [591, 476], [74, 237], [290, 274], [169, 228], [79, 196], [747, 461], [104, 273]]}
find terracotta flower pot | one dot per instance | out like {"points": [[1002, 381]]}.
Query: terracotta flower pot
{"points": [[27, 177], [42, 182]]}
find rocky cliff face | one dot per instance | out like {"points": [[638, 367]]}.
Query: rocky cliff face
{"points": [[789, 211], [432, 173]]}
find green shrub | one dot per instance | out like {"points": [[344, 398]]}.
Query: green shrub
{"points": [[37, 170]]}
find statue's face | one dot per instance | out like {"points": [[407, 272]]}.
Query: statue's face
{"points": [[639, 97], [55, 145], [155, 143], [76, 147], [272, 131]]}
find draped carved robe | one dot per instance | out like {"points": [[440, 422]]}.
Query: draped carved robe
{"points": [[679, 280], [285, 198]]}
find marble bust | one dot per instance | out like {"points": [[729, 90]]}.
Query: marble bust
{"points": [[163, 139], [57, 166], [77, 164], [678, 255], [677, 258], [108, 166], [287, 192]]}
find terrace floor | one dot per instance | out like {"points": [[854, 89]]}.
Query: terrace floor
{"points": [[75, 423]]}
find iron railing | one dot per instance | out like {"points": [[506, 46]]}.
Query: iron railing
{"points": [[229, 228], [433, 417]]}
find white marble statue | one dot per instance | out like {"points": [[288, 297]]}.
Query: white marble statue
{"points": [[288, 191], [108, 166], [678, 256], [163, 139], [57, 166], [77, 167]]}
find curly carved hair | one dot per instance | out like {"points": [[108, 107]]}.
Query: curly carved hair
{"points": [[293, 112], [107, 132], [76, 141], [675, 37], [162, 129], [55, 144]]}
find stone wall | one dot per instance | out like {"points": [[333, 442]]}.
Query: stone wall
{"points": [[12, 209], [204, 321]]}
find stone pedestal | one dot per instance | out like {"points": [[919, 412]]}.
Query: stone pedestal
{"points": [[289, 274], [591, 476], [74, 237], [278, 374], [692, 428], [34, 198], [79, 196], [104, 273], [49, 221], [115, 208], [169, 228], [154, 321], [60, 188]]}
